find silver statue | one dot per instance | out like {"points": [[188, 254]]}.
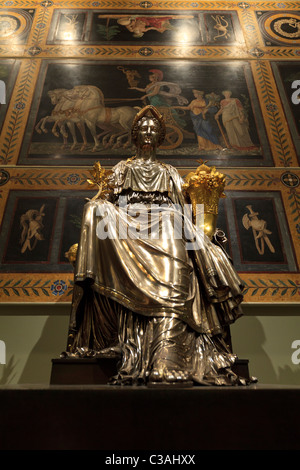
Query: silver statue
{"points": [[140, 293]]}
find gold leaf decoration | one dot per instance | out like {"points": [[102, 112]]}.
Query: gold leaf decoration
{"points": [[205, 186], [99, 178]]}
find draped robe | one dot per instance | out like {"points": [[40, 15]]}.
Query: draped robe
{"points": [[133, 270]]}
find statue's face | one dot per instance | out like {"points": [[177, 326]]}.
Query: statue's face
{"points": [[148, 132]]}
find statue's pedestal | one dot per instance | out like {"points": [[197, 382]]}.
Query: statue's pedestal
{"points": [[131, 421], [98, 371], [82, 371]]}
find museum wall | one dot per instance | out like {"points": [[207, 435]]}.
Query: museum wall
{"points": [[72, 76]]}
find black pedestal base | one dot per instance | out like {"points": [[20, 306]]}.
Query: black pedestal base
{"points": [[115, 419], [82, 371]]}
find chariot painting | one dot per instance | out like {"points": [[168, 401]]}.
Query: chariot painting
{"points": [[84, 110]]}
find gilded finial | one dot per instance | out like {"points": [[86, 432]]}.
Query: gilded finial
{"points": [[71, 254], [99, 178], [206, 186]]}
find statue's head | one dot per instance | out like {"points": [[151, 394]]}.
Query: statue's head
{"points": [[148, 117]]}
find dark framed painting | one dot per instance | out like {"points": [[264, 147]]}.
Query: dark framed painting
{"points": [[136, 27], [261, 237], [38, 229], [84, 110]]}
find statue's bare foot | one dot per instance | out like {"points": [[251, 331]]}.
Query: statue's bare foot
{"points": [[169, 376], [176, 375]]}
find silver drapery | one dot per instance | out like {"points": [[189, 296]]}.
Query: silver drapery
{"points": [[148, 295]]}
